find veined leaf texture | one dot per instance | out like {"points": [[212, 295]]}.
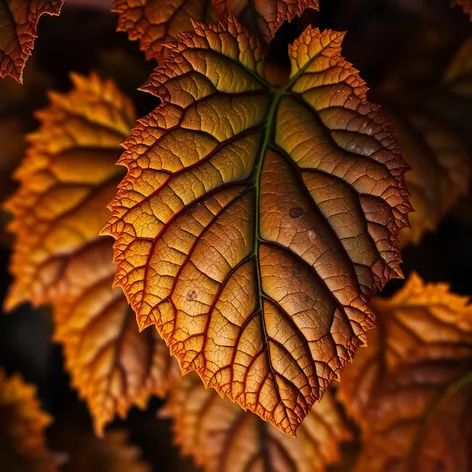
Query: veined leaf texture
{"points": [[156, 22], [19, 21], [411, 389], [221, 437], [255, 223], [66, 180]]}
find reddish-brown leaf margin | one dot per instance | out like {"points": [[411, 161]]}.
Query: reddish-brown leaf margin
{"points": [[17, 37]]}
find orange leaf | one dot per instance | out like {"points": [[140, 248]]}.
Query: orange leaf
{"points": [[155, 22], [66, 180], [255, 223], [222, 437], [440, 170], [263, 18], [407, 378], [23, 445], [421, 419], [18, 23], [112, 365], [466, 6]]}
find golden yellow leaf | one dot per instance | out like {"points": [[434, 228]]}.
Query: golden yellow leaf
{"points": [[407, 377], [18, 23], [22, 426], [255, 222], [66, 180], [221, 437], [466, 6], [458, 77], [440, 170], [155, 22], [58, 207], [263, 17]]}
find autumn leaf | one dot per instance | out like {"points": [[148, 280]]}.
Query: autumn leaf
{"points": [[420, 418], [466, 6], [66, 180], [18, 23], [221, 437], [255, 223], [458, 77], [155, 22], [263, 18], [440, 170], [23, 423], [58, 207], [421, 323], [112, 365]]}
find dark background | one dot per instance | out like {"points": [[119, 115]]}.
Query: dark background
{"points": [[401, 47]]}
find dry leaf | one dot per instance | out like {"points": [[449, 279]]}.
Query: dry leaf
{"points": [[221, 437], [155, 22], [420, 419], [23, 423], [59, 206], [415, 362], [18, 23], [458, 77], [112, 365], [466, 6], [255, 223], [112, 453], [66, 180], [440, 171], [263, 17]]}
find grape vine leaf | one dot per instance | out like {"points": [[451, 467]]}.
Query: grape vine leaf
{"points": [[263, 18], [440, 170], [58, 257], [18, 24], [255, 222], [420, 419], [155, 22], [22, 427], [421, 323], [466, 6], [221, 437]]}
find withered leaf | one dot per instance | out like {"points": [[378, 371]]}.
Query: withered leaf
{"points": [[262, 17], [255, 222], [18, 23], [404, 388], [420, 419], [22, 426], [155, 22], [66, 180], [221, 437], [112, 365], [440, 170]]}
